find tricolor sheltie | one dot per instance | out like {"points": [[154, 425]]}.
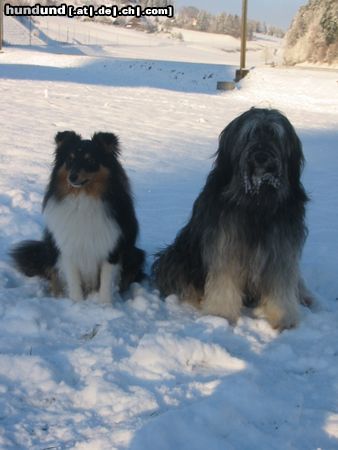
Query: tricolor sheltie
{"points": [[91, 227]]}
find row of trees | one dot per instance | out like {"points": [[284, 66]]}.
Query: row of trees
{"points": [[193, 18], [189, 17]]}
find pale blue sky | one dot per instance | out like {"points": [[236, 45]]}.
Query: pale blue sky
{"points": [[273, 12]]}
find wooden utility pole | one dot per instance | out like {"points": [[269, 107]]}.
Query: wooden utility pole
{"points": [[1, 23], [228, 85], [244, 34]]}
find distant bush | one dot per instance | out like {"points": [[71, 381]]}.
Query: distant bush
{"points": [[177, 35]]}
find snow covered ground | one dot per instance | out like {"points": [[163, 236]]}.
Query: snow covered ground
{"points": [[148, 374], [63, 35]]}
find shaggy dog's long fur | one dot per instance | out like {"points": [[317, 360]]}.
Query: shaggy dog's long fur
{"points": [[244, 239], [91, 226]]}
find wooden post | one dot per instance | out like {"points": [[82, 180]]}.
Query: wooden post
{"points": [[242, 72], [228, 85], [1, 23], [244, 32]]}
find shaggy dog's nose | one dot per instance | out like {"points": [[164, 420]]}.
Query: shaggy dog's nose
{"points": [[264, 163]]}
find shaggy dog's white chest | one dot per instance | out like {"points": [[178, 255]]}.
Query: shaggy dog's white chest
{"points": [[83, 231]]}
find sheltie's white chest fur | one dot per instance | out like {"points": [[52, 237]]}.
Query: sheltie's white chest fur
{"points": [[83, 232]]}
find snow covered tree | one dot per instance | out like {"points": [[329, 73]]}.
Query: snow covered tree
{"points": [[313, 35], [203, 21]]}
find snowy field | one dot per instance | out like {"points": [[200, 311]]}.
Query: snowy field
{"points": [[148, 373], [63, 35]]}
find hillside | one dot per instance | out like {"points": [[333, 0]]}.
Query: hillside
{"points": [[313, 35], [94, 39]]}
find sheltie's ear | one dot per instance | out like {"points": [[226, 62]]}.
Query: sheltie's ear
{"points": [[63, 137], [66, 141], [108, 141]]}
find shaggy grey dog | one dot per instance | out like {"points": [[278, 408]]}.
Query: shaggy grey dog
{"points": [[244, 239]]}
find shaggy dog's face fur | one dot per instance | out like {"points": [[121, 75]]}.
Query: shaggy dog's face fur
{"points": [[261, 156], [247, 229]]}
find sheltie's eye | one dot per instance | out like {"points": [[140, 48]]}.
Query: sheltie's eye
{"points": [[89, 160]]}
